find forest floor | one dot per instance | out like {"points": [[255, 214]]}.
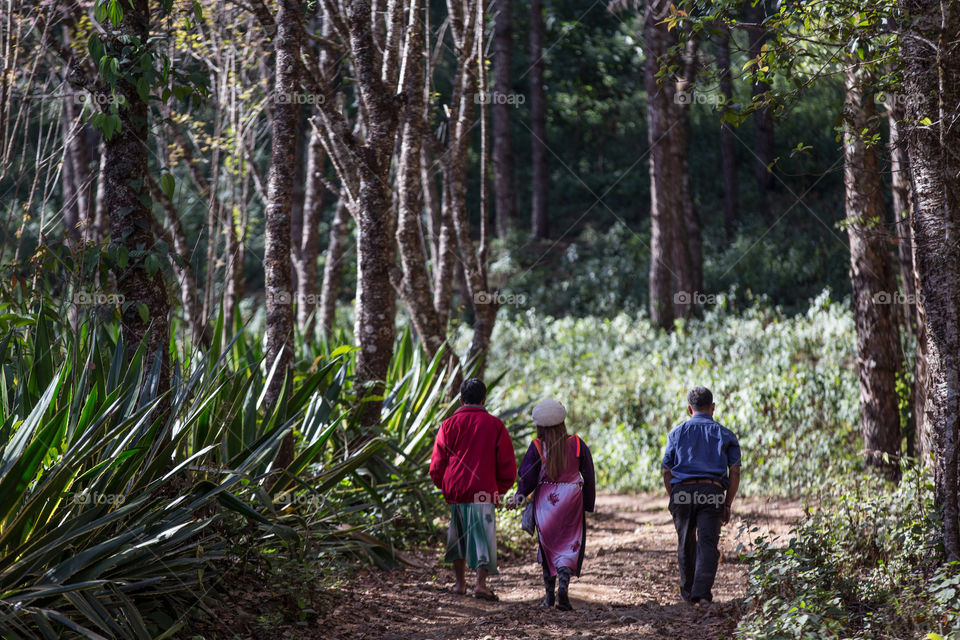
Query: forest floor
{"points": [[628, 588]]}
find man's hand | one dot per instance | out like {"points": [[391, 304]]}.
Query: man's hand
{"points": [[667, 477], [727, 512]]}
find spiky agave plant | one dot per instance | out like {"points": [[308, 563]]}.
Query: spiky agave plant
{"points": [[108, 506]]}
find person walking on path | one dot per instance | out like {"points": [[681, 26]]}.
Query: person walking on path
{"points": [[558, 470], [473, 464], [701, 472]]}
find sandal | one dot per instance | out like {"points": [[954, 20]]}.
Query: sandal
{"points": [[483, 595]]}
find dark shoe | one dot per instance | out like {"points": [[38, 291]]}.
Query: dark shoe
{"points": [[549, 586], [563, 597], [685, 595]]}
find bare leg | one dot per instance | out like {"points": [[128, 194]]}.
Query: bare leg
{"points": [[482, 580], [459, 571]]}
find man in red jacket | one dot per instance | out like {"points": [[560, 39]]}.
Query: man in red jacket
{"points": [[473, 464]]}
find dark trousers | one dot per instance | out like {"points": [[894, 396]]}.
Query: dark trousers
{"points": [[697, 511]]}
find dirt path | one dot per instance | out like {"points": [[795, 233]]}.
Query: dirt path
{"points": [[628, 587]]}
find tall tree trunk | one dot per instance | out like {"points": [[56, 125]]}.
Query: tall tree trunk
{"points": [[305, 264], [874, 289], [376, 247], [664, 211], [333, 268], [503, 181], [176, 238], [284, 114], [728, 155], [538, 122], [77, 163], [762, 119], [902, 211], [413, 281], [145, 310], [689, 236], [932, 85]]}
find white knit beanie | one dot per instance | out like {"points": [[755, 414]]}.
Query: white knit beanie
{"points": [[549, 413]]}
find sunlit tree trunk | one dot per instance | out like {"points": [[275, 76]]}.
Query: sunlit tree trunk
{"points": [[278, 347], [932, 88], [874, 287]]}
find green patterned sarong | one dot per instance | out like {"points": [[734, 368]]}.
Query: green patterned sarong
{"points": [[473, 535]]}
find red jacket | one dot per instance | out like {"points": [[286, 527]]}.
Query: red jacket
{"points": [[473, 459]]}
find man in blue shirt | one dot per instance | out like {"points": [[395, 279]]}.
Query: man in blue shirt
{"points": [[700, 464]]}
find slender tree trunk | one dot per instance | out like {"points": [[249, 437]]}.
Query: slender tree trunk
{"points": [[538, 118], [689, 236], [728, 155], [77, 163], [663, 189], [762, 119], [874, 289], [333, 268], [932, 85], [503, 181], [413, 281], [176, 238], [284, 114], [145, 308], [902, 209], [308, 239]]}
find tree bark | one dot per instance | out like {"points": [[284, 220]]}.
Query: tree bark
{"points": [[689, 236], [664, 208], [305, 263], [333, 268], [874, 289], [763, 146], [728, 154], [145, 308], [278, 347], [503, 180], [902, 197], [538, 124], [412, 280], [929, 44]]}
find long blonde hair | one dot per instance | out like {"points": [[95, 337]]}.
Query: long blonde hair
{"points": [[553, 447]]}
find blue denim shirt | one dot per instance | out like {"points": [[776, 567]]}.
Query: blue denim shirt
{"points": [[701, 448]]}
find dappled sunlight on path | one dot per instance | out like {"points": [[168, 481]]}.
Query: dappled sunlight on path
{"points": [[628, 588]]}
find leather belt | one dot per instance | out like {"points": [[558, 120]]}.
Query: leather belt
{"points": [[701, 481]]}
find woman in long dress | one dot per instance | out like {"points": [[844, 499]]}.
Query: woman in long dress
{"points": [[558, 470]]}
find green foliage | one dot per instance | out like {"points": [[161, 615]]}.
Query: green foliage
{"points": [[863, 565], [787, 386], [118, 506]]}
